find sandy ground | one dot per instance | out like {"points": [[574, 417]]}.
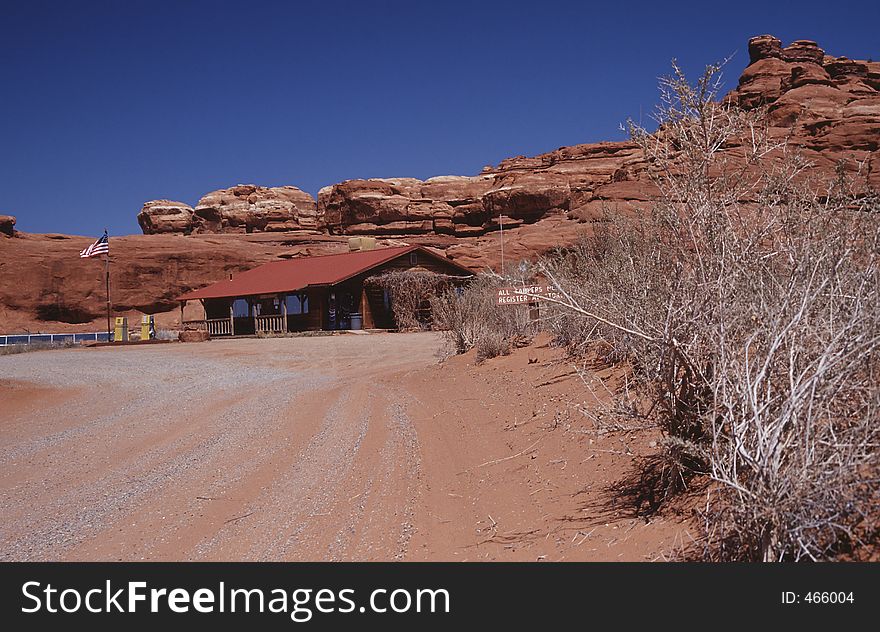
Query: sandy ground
{"points": [[351, 447]]}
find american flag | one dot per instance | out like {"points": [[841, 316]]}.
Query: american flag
{"points": [[100, 247]]}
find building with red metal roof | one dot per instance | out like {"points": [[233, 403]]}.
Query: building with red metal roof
{"points": [[313, 293]]}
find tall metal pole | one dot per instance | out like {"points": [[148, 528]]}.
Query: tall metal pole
{"points": [[501, 226], [107, 280]]}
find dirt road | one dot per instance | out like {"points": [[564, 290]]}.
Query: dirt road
{"points": [[354, 447]]}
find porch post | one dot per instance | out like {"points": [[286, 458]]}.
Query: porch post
{"points": [[182, 303], [283, 298], [366, 310], [232, 317]]}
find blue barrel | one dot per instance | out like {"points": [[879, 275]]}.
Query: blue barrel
{"points": [[357, 321]]}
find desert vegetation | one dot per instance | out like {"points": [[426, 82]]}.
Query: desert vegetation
{"points": [[746, 310], [410, 292], [467, 313], [471, 319]]}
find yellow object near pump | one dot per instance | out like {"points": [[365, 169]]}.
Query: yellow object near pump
{"points": [[146, 327], [120, 332]]}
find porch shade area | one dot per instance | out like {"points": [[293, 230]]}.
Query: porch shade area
{"points": [[252, 315]]}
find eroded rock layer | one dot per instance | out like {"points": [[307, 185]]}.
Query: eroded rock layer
{"points": [[245, 208]]}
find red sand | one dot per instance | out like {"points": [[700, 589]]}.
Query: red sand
{"points": [[389, 455]]}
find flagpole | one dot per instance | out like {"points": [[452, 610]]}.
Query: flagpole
{"points": [[501, 226], [107, 280]]}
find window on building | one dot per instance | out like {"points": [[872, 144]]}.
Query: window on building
{"points": [[297, 304], [413, 259], [240, 308]]}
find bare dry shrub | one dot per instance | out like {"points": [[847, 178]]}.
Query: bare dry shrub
{"points": [[35, 346], [471, 319], [411, 292], [748, 304], [615, 271]]}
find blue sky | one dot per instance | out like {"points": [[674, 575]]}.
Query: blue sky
{"points": [[105, 105]]}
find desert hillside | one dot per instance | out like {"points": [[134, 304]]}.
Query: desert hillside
{"points": [[829, 106]]}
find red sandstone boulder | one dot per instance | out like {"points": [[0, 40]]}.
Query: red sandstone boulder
{"points": [[806, 74], [763, 47], [193, 335], [7, 225], [829, 106], [526, 199], [247, 208], [761, 82], [457, 205], [804, 51], [456, 190], [166, 216], [843, 68], [396, 205]]}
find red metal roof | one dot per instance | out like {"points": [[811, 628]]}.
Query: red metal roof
{"points": [[295, 274]]}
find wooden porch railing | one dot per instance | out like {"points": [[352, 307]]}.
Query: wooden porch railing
{"points": [[219, 326], [269, 324]]}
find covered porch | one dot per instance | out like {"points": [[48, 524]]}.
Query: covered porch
{"points": [[325, 292], [347, 306]]}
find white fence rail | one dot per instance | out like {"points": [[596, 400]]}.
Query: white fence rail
{"points": [[219, 326], [269, 324], [28, 339]]}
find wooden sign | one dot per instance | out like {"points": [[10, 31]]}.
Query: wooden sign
{"points": [[526, 294]]}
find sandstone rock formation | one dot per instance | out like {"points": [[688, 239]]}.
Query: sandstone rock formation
{"points": [[247, 208], [830, 106], [578, 182], [165, 216], [445, 205], [7, 225]]}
